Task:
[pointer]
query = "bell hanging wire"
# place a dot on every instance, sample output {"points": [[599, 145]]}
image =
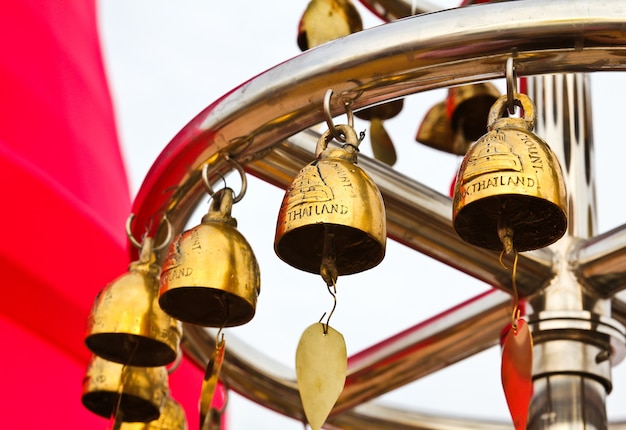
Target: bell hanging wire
{"points": [[332, 211], [128, 393], [510, 193], [210, 274], [126, 324]]}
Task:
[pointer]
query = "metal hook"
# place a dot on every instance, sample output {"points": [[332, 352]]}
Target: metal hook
{"points": [[168, 236], [139, 245], [511, 85], [333, 293], [329, 119], [516, 311], [176, 364], [242, 174], [129, 233]]}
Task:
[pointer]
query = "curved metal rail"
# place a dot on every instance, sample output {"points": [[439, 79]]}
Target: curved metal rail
{"points": [[258, 124]]}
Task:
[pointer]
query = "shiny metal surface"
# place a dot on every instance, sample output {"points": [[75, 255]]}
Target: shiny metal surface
{"points": [[255, 121], [568, 402], [575, 339]]}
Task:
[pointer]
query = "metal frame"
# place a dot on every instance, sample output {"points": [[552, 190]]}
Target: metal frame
{"points": [[263, 125]]}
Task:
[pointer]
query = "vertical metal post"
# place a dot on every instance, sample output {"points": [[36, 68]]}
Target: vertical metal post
{"points": [[572, 329]]}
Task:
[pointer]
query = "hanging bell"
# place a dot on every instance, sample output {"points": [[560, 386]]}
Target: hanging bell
{"points": [[172, 418], [210, 275], [127, 325], [436, 131], [509, 191], [332, 210], [133, 394], [468, 107], [326, 20]]}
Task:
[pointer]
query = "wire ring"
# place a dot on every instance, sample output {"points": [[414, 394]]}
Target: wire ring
{"points": [[129, 233], [511, 85], [329, 119], [137, 244], [242, 174]]}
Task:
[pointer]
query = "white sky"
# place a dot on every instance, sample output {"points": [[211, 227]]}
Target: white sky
{"points": [[169, 60]]}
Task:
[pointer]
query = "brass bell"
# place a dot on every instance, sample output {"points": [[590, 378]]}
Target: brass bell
{"points": [[133, 394], [127, 325], [326, 20], [436, 131], [210, 275], [332, 210], [468, 107], [172, 418], [509, 191]]}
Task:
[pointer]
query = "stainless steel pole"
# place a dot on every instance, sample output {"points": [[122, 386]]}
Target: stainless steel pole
{"points": [[575, 338]]}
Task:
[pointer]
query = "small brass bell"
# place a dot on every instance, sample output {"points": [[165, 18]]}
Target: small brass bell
{"points": [[468, 107], [332, 210], [210, 275], [172, 418], [436, 131], [509, 191], [326, 20], [127, 325], [134, 394]]}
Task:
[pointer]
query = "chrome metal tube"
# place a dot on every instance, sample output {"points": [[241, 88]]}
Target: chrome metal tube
{"points": [[575, 339], [568, 402], [600, 262]]}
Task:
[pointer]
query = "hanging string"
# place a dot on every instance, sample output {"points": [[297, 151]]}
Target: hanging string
{"points": [[333, 293], [116, 416], [515, 314]]}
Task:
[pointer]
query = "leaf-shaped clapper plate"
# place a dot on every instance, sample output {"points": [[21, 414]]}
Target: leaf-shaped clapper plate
{"points": [[517, 363], [321, 366]]}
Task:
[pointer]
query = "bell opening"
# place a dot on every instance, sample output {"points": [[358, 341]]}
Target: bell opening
{"points": [[355, 250], [132, 408], [130, 349], [207, 307], [471, 117], [536, 222]]}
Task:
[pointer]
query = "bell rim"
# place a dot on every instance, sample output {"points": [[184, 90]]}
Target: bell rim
{"points": [[175, 302], [491, 240], [138, 350], [104, 402]]}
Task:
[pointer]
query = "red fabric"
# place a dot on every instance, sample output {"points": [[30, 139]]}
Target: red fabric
{"points": [[64, 204]]}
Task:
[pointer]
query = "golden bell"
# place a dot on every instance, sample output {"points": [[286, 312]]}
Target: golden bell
{"points": [[332, 209], [509, 190], [172, 418], [210, 275], [326, 20], [127, 325], [134, 394], [436, 131], [468, 107]]}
